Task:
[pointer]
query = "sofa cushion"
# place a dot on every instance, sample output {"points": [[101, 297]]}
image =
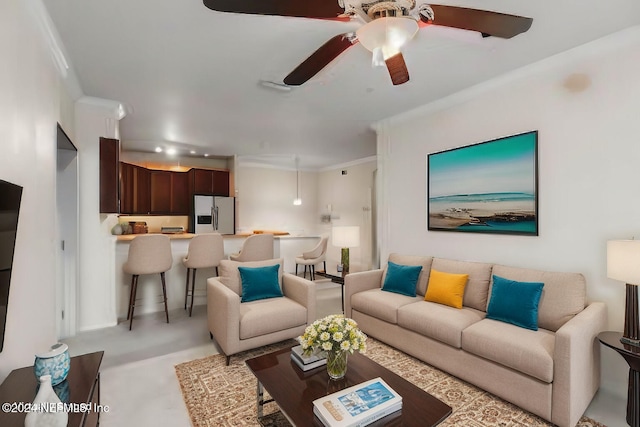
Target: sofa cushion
{"points": [[526, 351], [270, 315], [476, 293], [438, 321], [260, 282], [380, 304], [230, 275], [446, 288], [401, 279], [424, 261], [563, 295], [515, 302]]}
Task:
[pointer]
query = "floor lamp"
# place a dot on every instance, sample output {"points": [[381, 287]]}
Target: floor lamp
{"points": [[345, 237], [623, 263]]}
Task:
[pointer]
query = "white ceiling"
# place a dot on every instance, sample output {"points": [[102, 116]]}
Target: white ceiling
{"points": [[190, 77]]}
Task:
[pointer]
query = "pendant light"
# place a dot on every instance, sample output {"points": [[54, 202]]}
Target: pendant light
{"points": [[297, 201]]}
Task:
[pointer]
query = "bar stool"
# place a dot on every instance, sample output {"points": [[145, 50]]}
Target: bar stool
{"points": [[257, 247], [205, 251], [148, 254]]}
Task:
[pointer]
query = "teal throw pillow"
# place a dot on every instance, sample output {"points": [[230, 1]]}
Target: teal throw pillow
{"points": [[402, 279], [259, 283], [515, 302]]}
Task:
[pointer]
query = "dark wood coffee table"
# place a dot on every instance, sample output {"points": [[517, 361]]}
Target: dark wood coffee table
{"points": [[294, 390]]}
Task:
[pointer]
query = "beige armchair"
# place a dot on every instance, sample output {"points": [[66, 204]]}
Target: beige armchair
{"points": [[238, 326], [313, 257], [256, 247]]}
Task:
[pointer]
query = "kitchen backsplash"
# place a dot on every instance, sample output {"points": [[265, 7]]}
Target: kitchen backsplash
{"points": [[155, 223]]}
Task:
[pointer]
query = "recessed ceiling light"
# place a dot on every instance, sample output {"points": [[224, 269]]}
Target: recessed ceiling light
{"points": [[206, 155], [171, 151], [158, 150], [192, 151]]}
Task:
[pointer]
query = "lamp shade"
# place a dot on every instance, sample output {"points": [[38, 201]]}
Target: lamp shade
{"points": [[623, 261], [387, 34], [346, 236]]}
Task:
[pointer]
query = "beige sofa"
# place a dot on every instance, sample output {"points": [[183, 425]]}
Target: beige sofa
{"points": [[552, 372], [238, 326]]}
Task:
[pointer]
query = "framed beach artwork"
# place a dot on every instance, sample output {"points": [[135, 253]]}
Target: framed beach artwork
{"points": [[490, 187]]}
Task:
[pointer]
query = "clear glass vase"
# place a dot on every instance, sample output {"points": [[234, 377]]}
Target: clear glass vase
{"points": [[337, 364]]}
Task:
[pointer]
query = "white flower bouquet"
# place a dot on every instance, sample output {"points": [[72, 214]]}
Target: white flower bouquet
{"points": [[334, 333]]}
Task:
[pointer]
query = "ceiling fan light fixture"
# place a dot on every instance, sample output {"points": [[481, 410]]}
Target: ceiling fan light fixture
{"points": [[387, 35]]}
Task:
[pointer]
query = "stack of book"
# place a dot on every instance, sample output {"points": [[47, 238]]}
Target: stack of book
{"points": [[358, 405], [306, 362]]}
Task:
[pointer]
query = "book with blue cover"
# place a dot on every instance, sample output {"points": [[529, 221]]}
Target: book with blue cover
{"points": [[358, 405]]}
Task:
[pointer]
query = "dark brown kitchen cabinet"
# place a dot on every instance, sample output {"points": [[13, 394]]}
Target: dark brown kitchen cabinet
{"points": [[210, 182], [160, 192], [220, 183], [109, 173], [180, 198], [135, 196], [169, 192]]}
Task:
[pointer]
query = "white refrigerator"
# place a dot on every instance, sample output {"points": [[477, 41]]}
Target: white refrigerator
{"points": [[214, 214]]}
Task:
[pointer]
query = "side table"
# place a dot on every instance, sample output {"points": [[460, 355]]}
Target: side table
{"points": [[83, 385], [335, 278], [632, 355]]}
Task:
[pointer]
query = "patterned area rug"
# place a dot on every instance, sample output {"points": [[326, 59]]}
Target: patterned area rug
{"points": [[219, 395]]}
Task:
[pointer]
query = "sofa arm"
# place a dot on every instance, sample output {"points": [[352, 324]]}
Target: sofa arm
{"points": [[576, 364], [223, 315], [359, 282], [302, 291]]}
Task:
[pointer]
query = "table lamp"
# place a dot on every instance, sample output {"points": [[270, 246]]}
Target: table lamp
{"points": [[623, 263], [345, 237]]}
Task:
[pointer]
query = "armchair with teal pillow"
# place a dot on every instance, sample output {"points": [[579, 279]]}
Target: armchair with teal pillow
{"points": [[252, 304]]}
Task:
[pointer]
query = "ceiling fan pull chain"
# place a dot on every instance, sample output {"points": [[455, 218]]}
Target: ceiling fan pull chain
{"points": [[426, 11]]}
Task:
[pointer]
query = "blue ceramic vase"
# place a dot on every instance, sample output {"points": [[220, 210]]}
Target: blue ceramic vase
{"points": [[54, 362]]}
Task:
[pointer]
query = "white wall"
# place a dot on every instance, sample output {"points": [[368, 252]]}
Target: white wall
{"points": [[348, 198], [32, 101], [585, 105], [264, 200], [95, 118]]}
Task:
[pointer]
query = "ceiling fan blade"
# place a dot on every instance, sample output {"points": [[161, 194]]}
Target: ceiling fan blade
{"points": [[323, 9], [320, 59], [484, 21], [397, 69]]}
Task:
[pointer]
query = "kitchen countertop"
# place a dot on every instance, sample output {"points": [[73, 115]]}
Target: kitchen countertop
{"points": [[179, 236], [172, 236]]}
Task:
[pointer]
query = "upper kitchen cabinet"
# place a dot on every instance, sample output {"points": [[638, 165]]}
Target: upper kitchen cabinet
{"points": [[221, 183], [160, 192], [135, 189], [180, 197], [169, 192], [109, 175], [209, 182]]}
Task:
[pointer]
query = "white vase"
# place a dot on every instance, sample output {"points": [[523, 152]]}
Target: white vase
{"points": [[45, 411]]}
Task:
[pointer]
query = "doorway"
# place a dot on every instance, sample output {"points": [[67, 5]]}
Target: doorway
{"points": [[66, 234]]}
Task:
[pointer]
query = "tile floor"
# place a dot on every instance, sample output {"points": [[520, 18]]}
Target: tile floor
{"points": [[138, 381]]}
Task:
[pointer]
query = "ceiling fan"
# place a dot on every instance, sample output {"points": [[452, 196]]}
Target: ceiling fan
{"points": [[387, 26]]}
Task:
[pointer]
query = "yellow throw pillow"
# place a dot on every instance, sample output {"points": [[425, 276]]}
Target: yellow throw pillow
{"points": [[446, 288]]}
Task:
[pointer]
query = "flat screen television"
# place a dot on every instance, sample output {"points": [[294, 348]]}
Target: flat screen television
{"points": [[10, 196]]}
